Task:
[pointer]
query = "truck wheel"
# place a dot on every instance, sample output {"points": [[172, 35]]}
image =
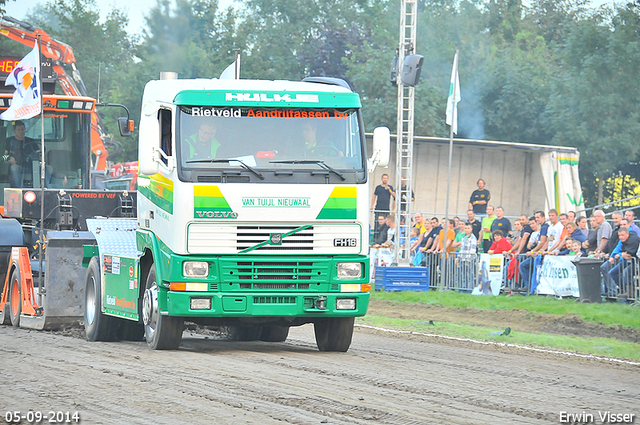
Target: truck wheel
{"points": [[15, 295], [97, 326], [274, 333], [245, 333], [161, 332], [334, 333], [4, 315]]}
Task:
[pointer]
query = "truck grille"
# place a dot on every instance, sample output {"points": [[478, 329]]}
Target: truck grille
{"points": [[248, 236], [274, 300], [224, 238], [279, 275]]}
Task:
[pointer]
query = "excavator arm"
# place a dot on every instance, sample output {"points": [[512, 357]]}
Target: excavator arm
{"points": [[61, 56]]}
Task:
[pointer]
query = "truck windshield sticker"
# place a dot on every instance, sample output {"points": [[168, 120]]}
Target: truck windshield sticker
{"points": [[286, 113]]}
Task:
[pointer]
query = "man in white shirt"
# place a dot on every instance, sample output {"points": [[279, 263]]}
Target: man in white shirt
{"points": [[555, 229]]}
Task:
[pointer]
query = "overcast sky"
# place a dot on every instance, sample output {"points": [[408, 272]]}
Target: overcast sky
{"points": [[137, 9]]}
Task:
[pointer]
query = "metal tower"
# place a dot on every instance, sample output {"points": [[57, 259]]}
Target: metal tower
{"points": [[404, 132]]}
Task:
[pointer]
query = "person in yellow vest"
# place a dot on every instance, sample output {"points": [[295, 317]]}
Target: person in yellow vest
{"points": [[314, 147], [202, 145]]}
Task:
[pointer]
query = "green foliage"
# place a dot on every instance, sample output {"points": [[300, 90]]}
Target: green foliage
{"points": [[594, 104], [542, 71]]}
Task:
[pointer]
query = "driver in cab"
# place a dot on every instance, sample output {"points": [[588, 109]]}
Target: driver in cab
{"points": [[315, 148], [20, 153], [203, 144]]}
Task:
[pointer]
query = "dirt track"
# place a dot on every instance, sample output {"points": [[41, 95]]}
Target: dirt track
{"points": [[383, 379]]}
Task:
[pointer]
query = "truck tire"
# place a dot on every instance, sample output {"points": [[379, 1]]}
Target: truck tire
{"points": [[274, 333], [4, 314], [97, 326], [161, 332], [245, 333], [334, 333], [15, 297]]}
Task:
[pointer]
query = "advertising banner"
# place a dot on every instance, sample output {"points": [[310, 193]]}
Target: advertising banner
{"points": [[489, 275], [558, 276]]}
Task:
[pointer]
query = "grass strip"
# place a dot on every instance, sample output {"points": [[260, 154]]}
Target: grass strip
{"points": [[608, 313], [606, 347]]}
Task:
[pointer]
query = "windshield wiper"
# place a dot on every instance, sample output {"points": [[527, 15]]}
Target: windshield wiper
{"points": [[319, 163], [228, 160]]}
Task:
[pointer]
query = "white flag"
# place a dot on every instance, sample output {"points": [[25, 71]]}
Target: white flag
{"points": [[25, 77], [454, 97], [232, 72]]}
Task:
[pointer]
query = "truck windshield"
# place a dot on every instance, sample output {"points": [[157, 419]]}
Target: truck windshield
{"points": [[65, 147], [270, 139]]}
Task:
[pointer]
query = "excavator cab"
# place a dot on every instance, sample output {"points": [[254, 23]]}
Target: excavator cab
{"points": [[65, 129]]}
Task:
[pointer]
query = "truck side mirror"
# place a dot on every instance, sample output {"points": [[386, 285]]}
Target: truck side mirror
{"points": [[381, 148], [149, 142], [126, 126]]}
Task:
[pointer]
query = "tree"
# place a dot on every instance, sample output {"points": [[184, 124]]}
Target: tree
{"points": [[595, 105], [102, 51]]}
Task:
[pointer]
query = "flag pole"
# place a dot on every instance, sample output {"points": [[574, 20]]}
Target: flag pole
{"points": [[454, 114], [42, 164], [237, 64]]}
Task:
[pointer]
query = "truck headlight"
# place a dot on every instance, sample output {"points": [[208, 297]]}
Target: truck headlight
{"points": [[195, 268], [200, 303], [345, 304], [349, 270]]}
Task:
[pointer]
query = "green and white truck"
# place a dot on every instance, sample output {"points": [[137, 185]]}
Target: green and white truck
{"points": [[252, 214]]}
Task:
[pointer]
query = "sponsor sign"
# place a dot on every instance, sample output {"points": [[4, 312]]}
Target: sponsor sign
{"points": [[558, 276], [489, 275]]}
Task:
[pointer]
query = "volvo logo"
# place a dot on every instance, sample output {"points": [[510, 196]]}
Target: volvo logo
{"points": [[275, 238]]}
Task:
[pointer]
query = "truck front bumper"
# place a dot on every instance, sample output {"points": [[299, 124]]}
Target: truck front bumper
{"points": [[267, 304]]}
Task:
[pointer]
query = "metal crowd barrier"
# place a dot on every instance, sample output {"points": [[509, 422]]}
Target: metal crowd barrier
{"points": [[459, 272], [620, 279]]}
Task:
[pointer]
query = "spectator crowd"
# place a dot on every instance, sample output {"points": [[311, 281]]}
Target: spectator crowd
{"points": [[525, 242]]}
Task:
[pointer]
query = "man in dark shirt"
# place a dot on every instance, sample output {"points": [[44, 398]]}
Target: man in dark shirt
{"points": [[479, 199], [591, 243], [616, 217], [21, 152], [382, 196], [501, 223], [526, 266], [624, 268], [612, 242], [380, 233], [476, 226], [522, 246]]}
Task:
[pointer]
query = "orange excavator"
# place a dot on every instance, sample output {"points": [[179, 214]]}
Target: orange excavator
{"points": [[61, 56], [43, 227]]}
